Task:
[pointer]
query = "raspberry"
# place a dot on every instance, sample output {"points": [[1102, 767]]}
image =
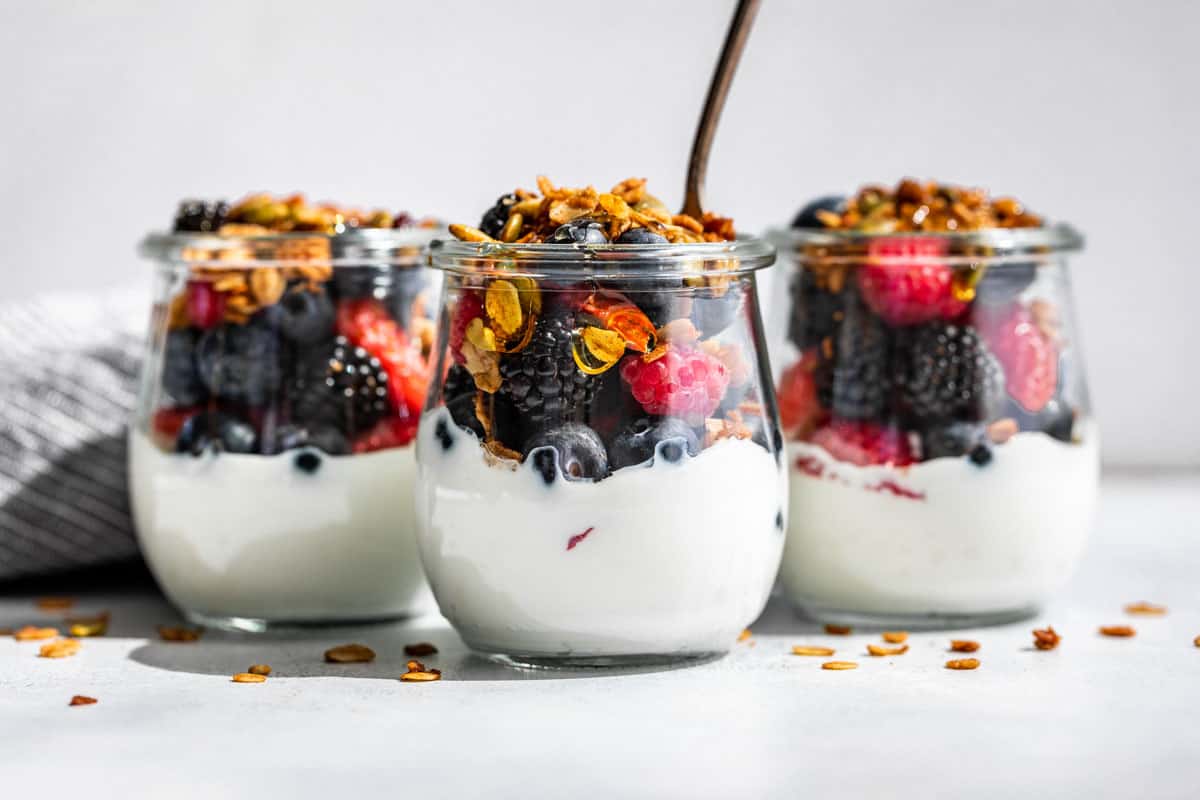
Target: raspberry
{"points": [[469, 307], [367, 324], [1029, 356], [683, 383], [205, 305], [910, 287], [387, 433], [798, 406], [864, 443]]}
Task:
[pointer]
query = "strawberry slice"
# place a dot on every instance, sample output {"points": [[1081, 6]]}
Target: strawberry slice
{"points": [[367, 324], [387, 433]]}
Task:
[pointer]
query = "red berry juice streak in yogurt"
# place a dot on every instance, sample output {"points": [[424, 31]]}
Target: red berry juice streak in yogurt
{"points": [[577, 538]]}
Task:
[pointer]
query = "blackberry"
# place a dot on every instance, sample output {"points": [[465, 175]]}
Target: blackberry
{"points": [[458, 395], [340, 384], [179, 376], [860, 379], [946, 372], [495, 217], [816, 312], [542, 380], [197, 216]]}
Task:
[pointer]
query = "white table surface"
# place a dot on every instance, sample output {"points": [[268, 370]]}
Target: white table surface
{"points": [[1098, 717]]}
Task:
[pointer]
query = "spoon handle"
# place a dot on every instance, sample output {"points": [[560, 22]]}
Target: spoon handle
{"points": [[731, 53]]}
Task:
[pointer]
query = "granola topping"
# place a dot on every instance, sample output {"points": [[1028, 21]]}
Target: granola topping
{"points": [[926, 206]]}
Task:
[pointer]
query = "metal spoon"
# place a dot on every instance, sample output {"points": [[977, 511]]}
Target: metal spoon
{"points": [[731, 53]]}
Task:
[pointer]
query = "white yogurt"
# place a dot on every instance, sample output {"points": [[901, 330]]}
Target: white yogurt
{"points": [[943, 537], [670, 559], [253, 537]]}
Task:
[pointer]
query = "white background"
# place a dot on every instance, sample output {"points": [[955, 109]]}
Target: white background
{"points": [[1089, 111]]}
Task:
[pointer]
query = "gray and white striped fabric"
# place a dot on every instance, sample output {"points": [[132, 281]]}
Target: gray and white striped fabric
{"points": [[68, 384]]}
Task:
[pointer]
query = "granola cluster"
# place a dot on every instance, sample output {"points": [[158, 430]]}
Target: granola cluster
{"points": [[915, 206], [526, 217]]}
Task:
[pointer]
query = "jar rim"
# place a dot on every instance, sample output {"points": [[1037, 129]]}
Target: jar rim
{"points": [[607, 261], [999, 245], [354, 247]]}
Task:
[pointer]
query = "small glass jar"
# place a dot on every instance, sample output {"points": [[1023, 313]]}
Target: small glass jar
{"points": [[942, 454], [271, 457], [599, 473]]}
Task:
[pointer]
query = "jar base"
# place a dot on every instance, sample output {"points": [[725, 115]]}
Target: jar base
{"points": [[914, 622], [256, 625], [601, 662]]}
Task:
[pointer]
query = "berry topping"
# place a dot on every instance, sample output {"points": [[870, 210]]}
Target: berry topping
{"points": [[864, 443], [1028, 355], [637, 442], [219, 431], [205, 305], [946, 372], [641, 236], [543, 380], [306, 317], [712, 313], [799, 410], [367, 324], [495, 217], [573, 450], [307, 462], [197, 216], [180, 378], [861, 373], [387, 433], [342, 384], [957, 439], [810, 215], [908, 286], [816, 311], [241, 363], [579, 231], [682, 382], [441, 432]]}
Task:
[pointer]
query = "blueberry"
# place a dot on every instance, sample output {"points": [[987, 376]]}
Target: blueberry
{"points": [[1056, 419], [980, 455], [236, 436], [637, 442], [207, 430], [573, 449], [954, 440], [779, 519], [641, 236], [713, 314], [458, 394], [807, 217], [442, 431], [495, 217], [193, 435], [241, 363], [180, 378], [308, 461], [306, 317], [579, 231], [286, 437]]}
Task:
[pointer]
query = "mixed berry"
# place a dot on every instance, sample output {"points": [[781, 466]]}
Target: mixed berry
{"points": [[583, 376], [914, 344], [308, 356]]}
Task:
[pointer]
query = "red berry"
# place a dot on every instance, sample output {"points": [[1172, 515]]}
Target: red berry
{"points": [[205, 305], [1029, 357], [367, 324], [168, 421], [910, 286], [468, 308], [864, 443], [799, 409], [387, 433], [683, 382]]}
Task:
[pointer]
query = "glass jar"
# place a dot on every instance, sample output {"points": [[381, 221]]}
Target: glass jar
{"points": [[942, 453], [270, 457], [599, 468]]}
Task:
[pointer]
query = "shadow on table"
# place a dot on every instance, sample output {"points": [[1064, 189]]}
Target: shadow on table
{"points": [[300, 654]]}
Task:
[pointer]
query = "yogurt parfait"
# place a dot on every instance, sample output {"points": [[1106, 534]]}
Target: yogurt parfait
{"points": [[271, 460], [599, 467], [942, 455]]}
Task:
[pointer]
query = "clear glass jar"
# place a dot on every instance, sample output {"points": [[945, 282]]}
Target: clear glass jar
{"points": [[599, 473], [943, 457], [270, 457]]}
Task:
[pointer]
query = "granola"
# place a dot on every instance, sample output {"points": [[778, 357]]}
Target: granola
{"points": [[1118, 631], [962, 663], [1046, 638], [926, 206], [963, 645], [349, 654]]}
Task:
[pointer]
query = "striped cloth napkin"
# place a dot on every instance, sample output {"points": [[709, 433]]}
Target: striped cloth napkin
{"points": [[68, 385]]}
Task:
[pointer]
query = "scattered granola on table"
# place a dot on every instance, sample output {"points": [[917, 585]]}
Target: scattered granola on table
{"points": [[962, 663], [31, 633], [82, 700], [249, 677], [419, 673], [838, 630], [895, 637], [1046, 638], [1144, 609], [839, 665], [259, 669], [963, 645], [1118, 631], [84, 627], [880, 650], [55, 603], [349, 654], [60, 648], [420, 649], [806, 650], [179, 633]]}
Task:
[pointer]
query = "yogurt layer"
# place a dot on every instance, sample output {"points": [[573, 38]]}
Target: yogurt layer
{"points": [[943, 536], [252, 536], [663, 558]]}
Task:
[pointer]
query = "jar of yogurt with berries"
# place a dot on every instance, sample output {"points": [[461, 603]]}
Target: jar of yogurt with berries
{"points": [[599, 471], [942, 454], [271, 457]]}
